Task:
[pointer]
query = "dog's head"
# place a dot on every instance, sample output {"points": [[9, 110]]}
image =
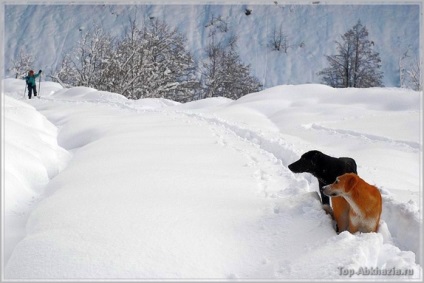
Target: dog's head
{"points": [[307, 163], [342, 186]]}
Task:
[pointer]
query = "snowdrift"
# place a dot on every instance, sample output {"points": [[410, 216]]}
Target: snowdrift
{"points": [[32, 157], [152, 189]]}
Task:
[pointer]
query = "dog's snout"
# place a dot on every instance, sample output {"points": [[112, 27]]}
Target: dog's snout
{"points": [[295, 168], [326, 190]]}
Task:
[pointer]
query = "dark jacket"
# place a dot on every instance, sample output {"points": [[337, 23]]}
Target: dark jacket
{"points": [[30, 80]]}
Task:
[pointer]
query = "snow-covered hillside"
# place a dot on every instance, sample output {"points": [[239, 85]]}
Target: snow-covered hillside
{"points": [[50, 31], [98, 186]]}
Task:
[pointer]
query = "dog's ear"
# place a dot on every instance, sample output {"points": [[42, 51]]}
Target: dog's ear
{"points": [[350, 181]]}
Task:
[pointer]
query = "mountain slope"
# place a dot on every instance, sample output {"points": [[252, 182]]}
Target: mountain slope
{"points": [[50, 31]]}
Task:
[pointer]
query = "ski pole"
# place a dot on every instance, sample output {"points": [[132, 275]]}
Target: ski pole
{"points": [[25, 90], [39, 86]]}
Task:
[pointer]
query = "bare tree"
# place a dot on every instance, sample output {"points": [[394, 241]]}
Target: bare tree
{"points": [[22, 64], [279, 40], [415, 76], [355, 64], [409, 71]]}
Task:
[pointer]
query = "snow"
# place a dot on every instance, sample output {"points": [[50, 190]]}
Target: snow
{"points": [[101, 187]]}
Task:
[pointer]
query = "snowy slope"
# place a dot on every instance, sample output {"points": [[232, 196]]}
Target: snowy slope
{"points": [[50, 31], [157, 189], [31, 146]]}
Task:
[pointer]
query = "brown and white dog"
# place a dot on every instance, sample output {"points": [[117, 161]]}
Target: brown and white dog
{"points": [[363, 199]]}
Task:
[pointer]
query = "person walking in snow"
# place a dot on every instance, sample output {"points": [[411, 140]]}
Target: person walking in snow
{"points": [[30, 81]]}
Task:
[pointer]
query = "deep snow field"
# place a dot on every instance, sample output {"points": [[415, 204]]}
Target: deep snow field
{"points": [[98, 186]]}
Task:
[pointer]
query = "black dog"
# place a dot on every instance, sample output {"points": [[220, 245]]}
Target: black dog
{"points": [[325, 168]]}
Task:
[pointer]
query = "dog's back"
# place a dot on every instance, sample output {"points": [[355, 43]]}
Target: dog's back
{"points": [[366, 210], [349, 165]]}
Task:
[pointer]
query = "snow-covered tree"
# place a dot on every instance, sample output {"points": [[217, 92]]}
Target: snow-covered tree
{"points": [[355, 64], [22, 64], [149, 61], [224, 74], [153, 62], [86, 64]]}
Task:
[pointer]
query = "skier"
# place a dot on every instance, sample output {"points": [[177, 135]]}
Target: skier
{"points": [[30, 81]]}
